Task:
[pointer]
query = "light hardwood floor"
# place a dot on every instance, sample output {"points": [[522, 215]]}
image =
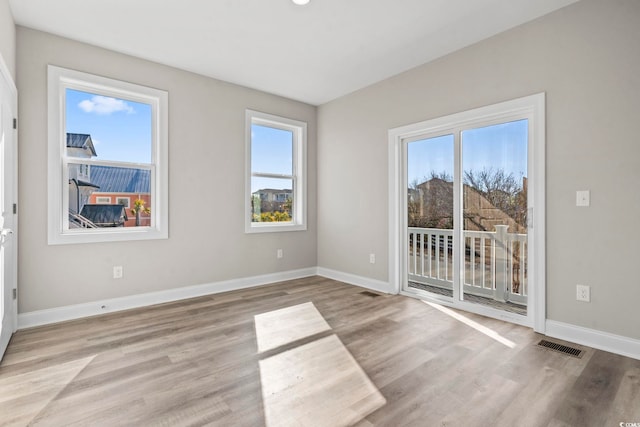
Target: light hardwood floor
{"points": [[306, 352]]}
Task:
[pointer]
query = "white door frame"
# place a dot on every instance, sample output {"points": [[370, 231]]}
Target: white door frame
{"points": [[534, 107], [9, 322]]}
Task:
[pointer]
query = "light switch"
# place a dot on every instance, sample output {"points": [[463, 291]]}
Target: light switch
{"points": [[583, 198]]}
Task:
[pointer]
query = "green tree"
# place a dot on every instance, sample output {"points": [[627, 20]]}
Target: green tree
{"points": [[138, 208]]}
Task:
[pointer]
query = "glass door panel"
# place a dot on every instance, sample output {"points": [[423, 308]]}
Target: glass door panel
{"points": [[494, 218], [430, 195]]}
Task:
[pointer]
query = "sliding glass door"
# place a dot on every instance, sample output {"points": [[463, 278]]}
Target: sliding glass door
{"points": [[467, 238], [494, 215], [430, 214]]}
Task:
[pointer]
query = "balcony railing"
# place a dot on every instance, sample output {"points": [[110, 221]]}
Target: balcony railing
{"points": [[78, 221], [494, 262]]}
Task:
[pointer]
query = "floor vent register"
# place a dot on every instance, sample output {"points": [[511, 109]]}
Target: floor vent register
{"points": [[574, 352]]}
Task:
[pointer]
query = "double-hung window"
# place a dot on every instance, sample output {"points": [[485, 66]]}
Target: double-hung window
{"points": [[276, 173], [107, 143]]}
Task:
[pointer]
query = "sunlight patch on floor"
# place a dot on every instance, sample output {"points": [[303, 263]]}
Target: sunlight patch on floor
{"points": [[316, 383], [475, 325], [280, 327]]}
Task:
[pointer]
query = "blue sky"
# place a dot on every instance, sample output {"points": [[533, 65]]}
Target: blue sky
{"points": [[502, 146], [271, 152], [120, 129]]}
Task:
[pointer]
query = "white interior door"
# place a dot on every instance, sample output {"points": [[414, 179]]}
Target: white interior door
{"points": [[8, 220]]}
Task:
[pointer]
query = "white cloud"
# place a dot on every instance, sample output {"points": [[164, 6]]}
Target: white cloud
{"points": [[104, 105]]}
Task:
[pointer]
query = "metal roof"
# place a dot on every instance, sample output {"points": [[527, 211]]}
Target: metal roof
{"points": [[105, 215], [80, 140], [113, 179]]}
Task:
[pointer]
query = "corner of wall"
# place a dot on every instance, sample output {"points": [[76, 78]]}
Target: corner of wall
{"points": [[7, 38]]}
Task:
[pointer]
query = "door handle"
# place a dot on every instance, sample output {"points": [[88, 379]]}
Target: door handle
{"points": [[4, 233]]}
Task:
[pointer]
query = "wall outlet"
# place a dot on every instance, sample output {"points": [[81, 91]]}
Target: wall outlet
{"points": [[117, 272], [583, 198], [279, 253], [583, 293], [372, 258]]}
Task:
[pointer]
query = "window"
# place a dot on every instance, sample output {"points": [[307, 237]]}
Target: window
{"points": [[124, 201], [103, 200], [105, 136], [276, 173]]}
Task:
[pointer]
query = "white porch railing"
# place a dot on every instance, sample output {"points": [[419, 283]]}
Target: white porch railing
{"points": [[78, 221], [494, 263]]}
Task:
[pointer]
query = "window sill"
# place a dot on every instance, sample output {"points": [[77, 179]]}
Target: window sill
{"points": [[107, 235], [273, 227]]}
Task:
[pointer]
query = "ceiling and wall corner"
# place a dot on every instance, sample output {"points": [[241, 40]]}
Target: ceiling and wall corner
{"points": [[313, 54]]}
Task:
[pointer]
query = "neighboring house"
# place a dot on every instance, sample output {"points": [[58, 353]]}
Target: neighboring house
{"points": [[80, 184], [431, 206], [122, 186], [99, 193], [272, 200]]}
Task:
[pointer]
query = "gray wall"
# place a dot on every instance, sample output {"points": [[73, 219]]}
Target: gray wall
{"points": [[7, 37], [206, 186], [586, 58]]}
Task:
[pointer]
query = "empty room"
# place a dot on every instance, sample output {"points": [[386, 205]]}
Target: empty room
{"points": [[319, 213]]}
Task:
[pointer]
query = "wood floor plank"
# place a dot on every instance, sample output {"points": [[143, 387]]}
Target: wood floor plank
{"points": [[591, 396], [540, 399], [337, 357], [626, 405]]}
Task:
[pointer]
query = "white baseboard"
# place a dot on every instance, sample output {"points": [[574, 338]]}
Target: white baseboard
{"points": [[624, 346], [364, 282], [77, 311], [612, 343]]}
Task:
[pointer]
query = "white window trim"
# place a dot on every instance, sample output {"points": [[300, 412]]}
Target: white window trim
{"points": [[59, 79], [299, 129]]}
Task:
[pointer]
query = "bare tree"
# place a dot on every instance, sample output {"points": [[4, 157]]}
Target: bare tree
{"points": [[502, 190]]}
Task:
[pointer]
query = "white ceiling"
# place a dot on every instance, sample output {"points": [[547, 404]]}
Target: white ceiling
{"points": [[312, 53]]}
